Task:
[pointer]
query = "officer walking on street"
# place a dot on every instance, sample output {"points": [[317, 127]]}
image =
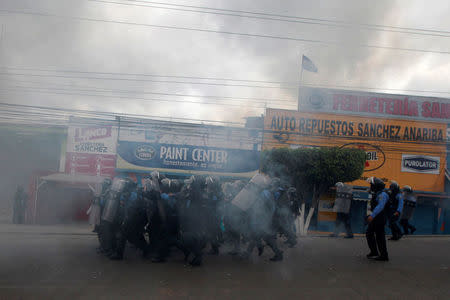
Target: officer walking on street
{"points": [[342, 206], [408, 210], [375, 234], [395, 210]]}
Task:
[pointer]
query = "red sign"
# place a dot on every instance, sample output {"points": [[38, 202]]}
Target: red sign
{"points": [[374, 104], [91, 164]]}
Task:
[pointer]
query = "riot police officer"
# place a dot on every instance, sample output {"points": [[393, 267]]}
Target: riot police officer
{"points": [[131, 220], [19, 207], [165, 221], [193, 220], [342, 205], [156, 216], [284, 217], [408, 210], [214, 198], [260, 220], [375, 234], [395, 210], [110, 216], [101, 201]]}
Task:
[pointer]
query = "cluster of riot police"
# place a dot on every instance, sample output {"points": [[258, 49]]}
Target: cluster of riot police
{"points": [[193, 215]]}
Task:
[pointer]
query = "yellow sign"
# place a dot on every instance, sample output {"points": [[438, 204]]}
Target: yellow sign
{"points": [[410, 152]]}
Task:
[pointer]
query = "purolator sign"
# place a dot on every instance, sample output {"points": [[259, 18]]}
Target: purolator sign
{"points": [[386, 142]]}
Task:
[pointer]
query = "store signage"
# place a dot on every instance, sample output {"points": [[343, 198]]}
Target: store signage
{"points": [[375, 157], [385, 141], [330, 125], [374, 104], [187, 157], [420, 164]]}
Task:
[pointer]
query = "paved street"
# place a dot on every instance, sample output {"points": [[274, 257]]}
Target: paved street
{"points": [[61, 263]]}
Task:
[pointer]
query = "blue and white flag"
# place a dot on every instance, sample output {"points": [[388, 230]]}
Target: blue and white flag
{"points": [[308, 65]]}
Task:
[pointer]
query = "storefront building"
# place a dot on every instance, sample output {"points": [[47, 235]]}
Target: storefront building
{"points": [[405, 139]]}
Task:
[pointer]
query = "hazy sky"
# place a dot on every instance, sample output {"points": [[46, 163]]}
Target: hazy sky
{"points": [[33, 42]]}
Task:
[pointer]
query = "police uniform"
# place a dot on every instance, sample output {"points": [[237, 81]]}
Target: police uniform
{"points": [[395, 206], [409, 206], [342, 205], [375, 233]]}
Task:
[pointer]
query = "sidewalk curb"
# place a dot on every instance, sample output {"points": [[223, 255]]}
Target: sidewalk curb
{"points": [[48, 233]]}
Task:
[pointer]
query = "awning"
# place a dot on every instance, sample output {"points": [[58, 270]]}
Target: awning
{"points": [[74, 178]]}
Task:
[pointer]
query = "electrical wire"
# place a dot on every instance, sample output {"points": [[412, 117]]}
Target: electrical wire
{"points": [[230, 33], [113, 114], [50, 91], [258, 16], [142, 80], [296, 17], [96, 89], [287, 84]]}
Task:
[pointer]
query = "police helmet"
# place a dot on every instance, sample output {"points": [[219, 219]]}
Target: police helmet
{"points": [[165, 185], [107, 182], [275, 183], [175, 185], [131, 185], [376, 184], [339, 184], [151, 184], [155, 175], [394, 187], [292, 191], [407, 189]]}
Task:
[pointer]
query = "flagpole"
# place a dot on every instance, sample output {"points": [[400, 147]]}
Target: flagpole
{"points": [[300, 85]]}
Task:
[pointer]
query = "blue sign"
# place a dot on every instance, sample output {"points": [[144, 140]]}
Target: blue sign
{"points": [[187, 157]]}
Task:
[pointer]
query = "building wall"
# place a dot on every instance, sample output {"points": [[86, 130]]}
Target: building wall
{"points": [[388, 149], [25, 152]]}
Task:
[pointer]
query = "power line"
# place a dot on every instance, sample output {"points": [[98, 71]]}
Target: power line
{"points": [[91, 89], [49, 91], [231, 33], [143, 75], [339, 22], [273, 17], [216, 84], [80, 89], [145, 80], [111, 114]]}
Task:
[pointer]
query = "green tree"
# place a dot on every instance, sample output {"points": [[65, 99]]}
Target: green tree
{"points": [[313, 170]]}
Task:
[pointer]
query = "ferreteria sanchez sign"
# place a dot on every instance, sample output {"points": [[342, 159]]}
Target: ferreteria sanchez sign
{"points": [[420, 164], [351, 127], [374, 104]]}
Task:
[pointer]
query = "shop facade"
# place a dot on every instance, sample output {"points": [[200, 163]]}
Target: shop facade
{"points": [[405, 139]]}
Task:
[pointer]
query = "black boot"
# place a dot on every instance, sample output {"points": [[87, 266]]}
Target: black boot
{"points": [[214, 251], [278, 256], [260, 250], [116, 256], [196, 261], [382, 258]]}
